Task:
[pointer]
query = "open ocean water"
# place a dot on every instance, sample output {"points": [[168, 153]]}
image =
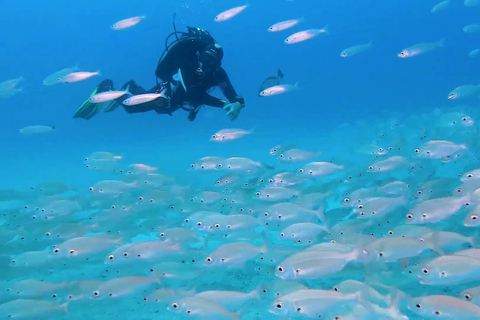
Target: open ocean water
{"points": [[353, 195]]}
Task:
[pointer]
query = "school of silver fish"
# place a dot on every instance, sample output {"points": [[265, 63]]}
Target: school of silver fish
{"points": [[387, 227]]}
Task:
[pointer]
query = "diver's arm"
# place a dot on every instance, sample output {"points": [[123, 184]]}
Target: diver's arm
{"points": [[212, 101], [227, 88]]}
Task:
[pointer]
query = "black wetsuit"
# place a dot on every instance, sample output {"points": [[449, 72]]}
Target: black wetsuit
{"points": [[185, 56]]}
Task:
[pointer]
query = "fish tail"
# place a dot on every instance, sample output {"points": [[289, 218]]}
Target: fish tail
{"points": [[302, 19], [441, 43], [279, 74], [325, 29]]}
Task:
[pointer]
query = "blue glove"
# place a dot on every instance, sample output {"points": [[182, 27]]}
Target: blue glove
{"points": [[233, 110]]}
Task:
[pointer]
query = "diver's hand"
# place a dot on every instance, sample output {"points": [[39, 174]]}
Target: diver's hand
{"points": [[233, 110]]}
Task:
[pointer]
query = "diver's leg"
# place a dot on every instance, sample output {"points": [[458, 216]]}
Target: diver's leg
{"points": [[133, 88], [88, 109]]}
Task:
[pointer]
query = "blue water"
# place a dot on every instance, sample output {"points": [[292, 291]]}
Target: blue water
{"points": [[41, 37]]}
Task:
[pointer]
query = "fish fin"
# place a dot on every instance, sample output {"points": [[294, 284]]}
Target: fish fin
{"points": [[64, 307], [251, 130], [127, 91], [279, 74]]}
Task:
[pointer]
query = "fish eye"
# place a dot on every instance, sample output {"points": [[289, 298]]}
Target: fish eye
{"points": [[187, 220], [56, 250], [214, 136], [282, 234], [474, 217], [464, 119], [221, 165], [418, 305], [162, 234], [258, 194], [209, 259], [174, 305], [311, 171], [48, 234], [467, 203], [217, 225], [140, 198], [125, 254], [417, 151], [124, 208], [189, 311], [437, 313], [410, 216], [467, 296], [380, 254], [390, 232], [267, 195], [91, 188], [344, 54], [360, 206], [54, 296], [282, 156], [199, 223], [280, 268], [270, 180], [469, 175], [71, 251], [111, 257], [425, 270], [192, 166], [425, 215], [301, 170], [96, 293], [266, 214], [346, 200], [370, 168], [299, 309], [279, 305]]}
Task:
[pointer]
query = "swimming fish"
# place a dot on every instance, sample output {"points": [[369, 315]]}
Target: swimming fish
{"points": [[284, 25], [305, 35], [77, 76], [230, 13], [38, 129], [355, 50], [127, 23], [270, 82], [56, 77], [278, 89], [421, 48], [229, 134]]}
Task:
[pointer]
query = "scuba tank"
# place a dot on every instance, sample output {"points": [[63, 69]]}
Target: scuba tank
{"points": [[193, 33]]}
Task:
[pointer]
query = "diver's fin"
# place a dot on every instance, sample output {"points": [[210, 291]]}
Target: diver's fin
{"points": [[87, 110], [279, 74]]}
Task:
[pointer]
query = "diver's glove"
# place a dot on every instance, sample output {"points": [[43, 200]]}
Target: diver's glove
{"points": [[233, 110]]}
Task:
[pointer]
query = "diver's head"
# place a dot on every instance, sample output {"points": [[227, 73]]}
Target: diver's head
{"points": [[211, 58]]}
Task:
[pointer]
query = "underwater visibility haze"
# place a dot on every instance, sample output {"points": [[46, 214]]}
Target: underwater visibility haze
{"points": [[335, 176]]}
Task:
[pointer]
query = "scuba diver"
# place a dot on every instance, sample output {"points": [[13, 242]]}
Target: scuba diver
{"points": [[189, 68]]}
